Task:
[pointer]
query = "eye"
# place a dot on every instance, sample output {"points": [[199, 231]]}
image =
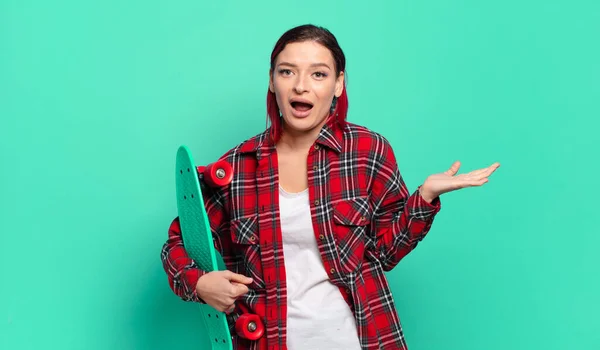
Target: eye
{"points": [[285, 72], [320, 75]]}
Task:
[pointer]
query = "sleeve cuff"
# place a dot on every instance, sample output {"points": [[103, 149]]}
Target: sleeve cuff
{"points": [[191, 276], [419, 208]]}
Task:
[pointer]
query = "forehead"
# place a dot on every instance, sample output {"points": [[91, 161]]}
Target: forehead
{"points": [[305, 53]]}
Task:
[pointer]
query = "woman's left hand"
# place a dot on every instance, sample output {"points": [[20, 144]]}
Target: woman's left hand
{"points": [[438, 184]]}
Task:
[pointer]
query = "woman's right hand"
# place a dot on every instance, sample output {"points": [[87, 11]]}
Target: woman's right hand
{"points": [[220, 289]]}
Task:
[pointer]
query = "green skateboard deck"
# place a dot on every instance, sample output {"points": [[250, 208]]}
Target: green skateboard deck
{"points": [[198, 242]]}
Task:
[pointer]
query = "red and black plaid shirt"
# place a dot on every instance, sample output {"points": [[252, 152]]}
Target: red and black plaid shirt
{"points": [[365, 221]]}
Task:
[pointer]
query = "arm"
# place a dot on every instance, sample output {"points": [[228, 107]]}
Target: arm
{"points": [[400, 220], [182, 272]]}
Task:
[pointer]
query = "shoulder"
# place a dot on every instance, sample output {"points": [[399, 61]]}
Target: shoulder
{"points": [[247, 146], [239, 157], [355, 132], [362, 139]]}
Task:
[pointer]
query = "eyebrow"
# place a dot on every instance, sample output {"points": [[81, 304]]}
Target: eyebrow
{"points": [[320, 64]]}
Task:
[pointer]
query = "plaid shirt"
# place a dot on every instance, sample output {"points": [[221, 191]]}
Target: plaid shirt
{"points": [[365, 221]]}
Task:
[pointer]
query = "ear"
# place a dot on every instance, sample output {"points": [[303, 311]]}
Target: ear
{"points": [[271, 84], [339, 85]]}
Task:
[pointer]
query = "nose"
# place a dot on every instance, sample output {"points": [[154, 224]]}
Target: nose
{"points": [[300, 84]]}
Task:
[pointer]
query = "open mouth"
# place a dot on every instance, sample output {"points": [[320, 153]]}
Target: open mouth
{"points": [[302, 106]]}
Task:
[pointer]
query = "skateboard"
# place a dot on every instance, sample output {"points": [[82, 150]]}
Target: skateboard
{"points": [[198, 242]]}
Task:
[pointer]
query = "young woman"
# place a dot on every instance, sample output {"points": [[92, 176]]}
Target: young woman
{"points": [[315, 214]]}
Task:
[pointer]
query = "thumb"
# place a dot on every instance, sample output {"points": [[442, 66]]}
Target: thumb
{"points": [[236, 277], [239, 289], [453, 169]]}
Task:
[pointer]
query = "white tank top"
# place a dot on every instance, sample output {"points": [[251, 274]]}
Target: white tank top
{"points": [[318, 316]]}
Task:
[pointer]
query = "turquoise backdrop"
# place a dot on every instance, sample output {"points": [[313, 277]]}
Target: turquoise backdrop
{"points": [[96, 96]]}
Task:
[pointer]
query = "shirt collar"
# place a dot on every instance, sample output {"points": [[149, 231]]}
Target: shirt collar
{"points": [[260, 143], [330, 136]]}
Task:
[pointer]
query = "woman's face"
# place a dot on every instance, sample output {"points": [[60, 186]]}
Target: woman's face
{"points": [[304, 82]]}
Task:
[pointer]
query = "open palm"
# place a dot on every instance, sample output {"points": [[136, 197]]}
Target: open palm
{"points": [[438, 184]]}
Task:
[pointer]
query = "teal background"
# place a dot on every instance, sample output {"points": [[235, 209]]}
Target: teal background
{"points": [[95, 98]]}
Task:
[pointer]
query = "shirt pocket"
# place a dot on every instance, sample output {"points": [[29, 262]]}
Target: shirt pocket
{"points": [[246, 247], [352, 218]]}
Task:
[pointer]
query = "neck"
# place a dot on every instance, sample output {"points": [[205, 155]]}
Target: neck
{"points": [[299, 140]]}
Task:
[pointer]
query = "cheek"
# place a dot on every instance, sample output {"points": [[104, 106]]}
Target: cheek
{"points": [[325, 92], [280, 94], [278, 97]]}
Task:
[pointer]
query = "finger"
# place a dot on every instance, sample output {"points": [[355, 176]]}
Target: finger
{"points": [[236, 290], [224, 307], [464, 180], [493, 167], [229, 309], [478, 172], [240, 289], [480, 182], [475, 183], [461, 181], [235, 277], [485, 172], [453, 169], [227, 302]]}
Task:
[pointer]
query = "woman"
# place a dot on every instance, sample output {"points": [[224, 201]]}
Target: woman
{"points": [[315, 214]]}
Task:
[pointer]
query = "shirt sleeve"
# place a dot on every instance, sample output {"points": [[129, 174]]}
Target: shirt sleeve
{"points": [[182, 271], [400, 219]]}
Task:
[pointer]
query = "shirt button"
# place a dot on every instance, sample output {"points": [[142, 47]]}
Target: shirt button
{"points": [[316, 146], [253, 238], [317, 202], [321, 237], [363, 218], [332, 270], [315, 168]]}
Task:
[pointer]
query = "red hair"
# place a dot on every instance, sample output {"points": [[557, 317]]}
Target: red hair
{"points": [[325, 38]]}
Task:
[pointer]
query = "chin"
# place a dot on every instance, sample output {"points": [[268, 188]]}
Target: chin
{"points": [[303, 124], [300, 124]]}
